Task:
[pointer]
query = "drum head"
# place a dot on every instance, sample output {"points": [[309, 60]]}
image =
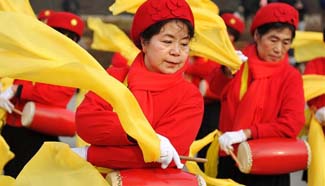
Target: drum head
{"points": [[244, 156], [28, 114]]}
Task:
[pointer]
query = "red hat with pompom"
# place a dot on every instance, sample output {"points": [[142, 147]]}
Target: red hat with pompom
{"points": [[234, 22], [153, 11], [68, 21], [275, 12]]}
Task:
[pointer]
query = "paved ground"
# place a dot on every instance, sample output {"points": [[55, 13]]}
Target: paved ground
{"points": [[296, 179]]}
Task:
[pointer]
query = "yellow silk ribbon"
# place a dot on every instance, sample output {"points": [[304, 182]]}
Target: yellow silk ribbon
{"points": [[308, 45], [38, 53]]}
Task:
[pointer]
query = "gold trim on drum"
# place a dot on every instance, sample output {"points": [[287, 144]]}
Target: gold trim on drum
{"points": [[245, 158], [309, 152], [114, 178], [200, 180]]}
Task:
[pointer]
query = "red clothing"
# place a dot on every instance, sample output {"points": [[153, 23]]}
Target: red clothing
{"points": [[316, 66], [54, 95], [273, 105], [173, 107], [199, 70], [118, 60]]}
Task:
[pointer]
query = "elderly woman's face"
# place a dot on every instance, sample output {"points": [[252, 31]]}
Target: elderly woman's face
{"points": [[167, 51], [274, 45]]}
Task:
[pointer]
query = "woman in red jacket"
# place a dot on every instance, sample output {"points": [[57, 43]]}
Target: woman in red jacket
{"points": [[265, 97], [174, 107]]}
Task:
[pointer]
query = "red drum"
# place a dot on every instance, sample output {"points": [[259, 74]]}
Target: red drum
{"points": [[48, 119], [273, 156], [154, 177]]}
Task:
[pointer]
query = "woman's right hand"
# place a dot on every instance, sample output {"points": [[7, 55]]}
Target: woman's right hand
{"points": [[168, 153], [6, 104]]}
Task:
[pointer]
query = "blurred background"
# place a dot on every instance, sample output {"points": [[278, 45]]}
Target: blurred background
{"points": [[312, 16]]}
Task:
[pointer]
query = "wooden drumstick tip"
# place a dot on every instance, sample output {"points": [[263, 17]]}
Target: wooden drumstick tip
{"points": [[234, 158], [188, 158], [17, 111]]}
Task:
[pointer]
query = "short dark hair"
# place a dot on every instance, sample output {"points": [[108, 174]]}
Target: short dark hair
{"points": [[154, 29], [263, 29], [233, 32], [72, 35]]}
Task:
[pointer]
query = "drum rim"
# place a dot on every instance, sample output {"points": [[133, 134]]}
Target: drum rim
{"points": [[244, 154], [25, 113], [114, 178], [309, 152]]}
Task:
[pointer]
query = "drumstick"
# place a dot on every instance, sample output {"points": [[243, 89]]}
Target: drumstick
{"points": [[234, 157], [17, 111], [188, 158]]}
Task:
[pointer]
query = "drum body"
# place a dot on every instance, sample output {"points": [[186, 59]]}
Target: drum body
{"points": [[154, 177], [48, 119], [273, 156]]}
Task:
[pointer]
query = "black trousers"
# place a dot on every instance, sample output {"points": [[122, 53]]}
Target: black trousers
{"points": [[228, 169], [24, 143]]}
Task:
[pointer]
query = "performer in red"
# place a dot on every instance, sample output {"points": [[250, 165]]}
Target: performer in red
{"points": [[265, 97], [198, 73], [25, 142], [173, 106]]}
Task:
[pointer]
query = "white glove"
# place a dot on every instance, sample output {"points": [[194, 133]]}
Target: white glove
{"points": [[227, 139], [8, 93], [320, 115], [168, 153], [241, 56], [6, 104], [81, 151]]}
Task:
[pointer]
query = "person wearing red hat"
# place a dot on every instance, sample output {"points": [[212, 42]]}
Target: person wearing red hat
{"points": [[199, 72], [265, 97], [235, 26], [162, 30], [68, 24], [25, 141]]}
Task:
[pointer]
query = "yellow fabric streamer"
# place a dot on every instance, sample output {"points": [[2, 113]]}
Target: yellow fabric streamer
{"points": [[211, 167], [316, 139], [205, 4], [7, 181], [109, 37], [314, 85], [211, 39], [308, 45], [56, 164], [120, 6], [19, 6], [38, 53], [5, 153], [195, 169]]}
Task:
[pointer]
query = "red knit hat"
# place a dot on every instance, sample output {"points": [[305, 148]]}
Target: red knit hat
{"points": [[44, 14], [68, 21], [234, 22], [275, 12], [153, 11]]}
